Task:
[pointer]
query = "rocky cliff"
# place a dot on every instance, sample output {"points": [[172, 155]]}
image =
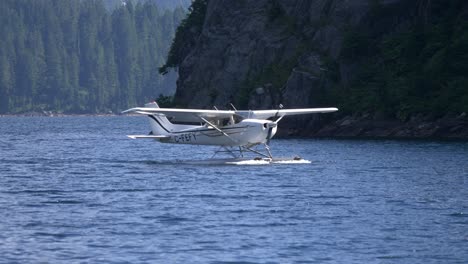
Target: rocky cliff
{"points": [[311, 53]]}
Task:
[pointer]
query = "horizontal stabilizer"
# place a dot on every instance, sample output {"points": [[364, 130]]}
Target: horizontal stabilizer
{"points": [[146, 136]]}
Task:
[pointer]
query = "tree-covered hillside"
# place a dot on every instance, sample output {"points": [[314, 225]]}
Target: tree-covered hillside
{"points": [[75, 56], [388, 59], [416, 66], [162, 4]]}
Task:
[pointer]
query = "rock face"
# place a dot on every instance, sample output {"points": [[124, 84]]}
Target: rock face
{"points": [[235, 42], [260, 53], [241, 40]]}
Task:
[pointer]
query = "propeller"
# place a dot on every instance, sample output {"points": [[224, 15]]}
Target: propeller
{"points": [[273, 124], [270, 132]]}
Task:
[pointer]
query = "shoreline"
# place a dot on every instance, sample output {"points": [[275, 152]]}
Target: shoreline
{"points": [[346, 128], [418, 127]]}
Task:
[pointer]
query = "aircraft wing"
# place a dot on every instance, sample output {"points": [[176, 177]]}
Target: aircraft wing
{"points": [[265, 114], [183, 115], [193, 115]]}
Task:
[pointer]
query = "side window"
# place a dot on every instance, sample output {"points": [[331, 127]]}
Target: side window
{"points": [[237, 118]]}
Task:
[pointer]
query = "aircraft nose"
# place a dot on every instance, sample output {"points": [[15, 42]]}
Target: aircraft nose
{"points": [[269, 125]]}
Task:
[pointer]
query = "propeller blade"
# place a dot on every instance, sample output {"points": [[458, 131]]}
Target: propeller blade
{"points": [[270, 131], [277, 120]]}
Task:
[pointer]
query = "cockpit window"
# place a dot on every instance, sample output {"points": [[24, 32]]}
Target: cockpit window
{"points": [[237, 118], [225, 121]]}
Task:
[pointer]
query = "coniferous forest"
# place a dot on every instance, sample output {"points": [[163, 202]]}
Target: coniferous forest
{"points": [[78, 57]]}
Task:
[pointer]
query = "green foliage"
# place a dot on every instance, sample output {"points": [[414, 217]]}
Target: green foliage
{"points": [[420, 68], [356, 45], [275, 10], [165, 101], [75, 56], [275, 74], [278, 18], [185, 35]]}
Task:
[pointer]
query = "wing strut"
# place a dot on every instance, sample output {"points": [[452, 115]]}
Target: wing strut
{"points": [[215, 127]]}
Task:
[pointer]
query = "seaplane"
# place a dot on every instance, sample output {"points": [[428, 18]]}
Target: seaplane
{"points": [[236, 132]]}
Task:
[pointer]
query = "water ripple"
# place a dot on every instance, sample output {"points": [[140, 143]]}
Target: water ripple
{"points": [[76, 190]]}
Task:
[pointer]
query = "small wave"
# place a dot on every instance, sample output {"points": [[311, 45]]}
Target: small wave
{"points": [[459, 214], [63, 202]]}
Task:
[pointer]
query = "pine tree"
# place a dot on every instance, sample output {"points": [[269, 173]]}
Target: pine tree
{"points": [[76, 56]]}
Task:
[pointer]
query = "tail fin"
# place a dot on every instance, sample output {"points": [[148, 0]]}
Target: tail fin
{"points": [[159, 123]]}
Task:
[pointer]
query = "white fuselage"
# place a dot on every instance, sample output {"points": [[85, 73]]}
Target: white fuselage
{"points": [[246, 132]]}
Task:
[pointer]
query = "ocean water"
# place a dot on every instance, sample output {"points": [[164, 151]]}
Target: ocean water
{"points": [[75, 189]]}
